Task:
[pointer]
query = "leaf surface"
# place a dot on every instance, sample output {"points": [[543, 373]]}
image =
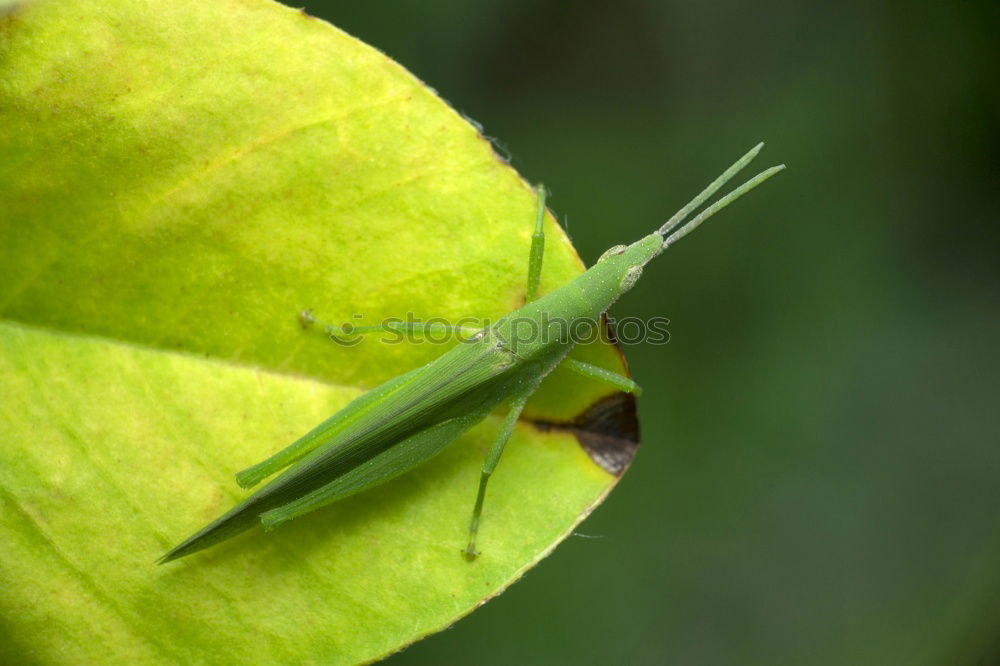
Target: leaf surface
{"points": [[177, 183]]}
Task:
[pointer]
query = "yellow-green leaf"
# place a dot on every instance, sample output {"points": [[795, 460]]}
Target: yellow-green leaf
{"points": [[177, 182]]}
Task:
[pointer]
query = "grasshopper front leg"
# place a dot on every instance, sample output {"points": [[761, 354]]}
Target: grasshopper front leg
{"points": [[537, 248], [620, 382]]}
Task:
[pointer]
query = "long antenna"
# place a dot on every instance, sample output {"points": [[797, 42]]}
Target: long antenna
{"points": [[720, 204], [714, 187]]}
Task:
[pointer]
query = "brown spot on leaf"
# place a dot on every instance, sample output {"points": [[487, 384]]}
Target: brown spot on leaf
{"points": [[608, 431]]}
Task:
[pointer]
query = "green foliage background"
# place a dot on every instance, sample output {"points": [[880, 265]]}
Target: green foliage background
{"points": [[820, 476]]}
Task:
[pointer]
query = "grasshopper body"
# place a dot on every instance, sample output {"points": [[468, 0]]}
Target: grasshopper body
{"points": [[407, 420]]}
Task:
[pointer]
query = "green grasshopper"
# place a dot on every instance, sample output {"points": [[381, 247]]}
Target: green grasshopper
{"points": [[407, 420]]}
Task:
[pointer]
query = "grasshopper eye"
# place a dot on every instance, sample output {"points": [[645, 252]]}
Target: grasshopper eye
{"points": [[631, 276], [613, 252]]}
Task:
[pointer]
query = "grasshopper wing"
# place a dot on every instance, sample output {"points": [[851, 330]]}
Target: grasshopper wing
{"points": [[406, 425]]}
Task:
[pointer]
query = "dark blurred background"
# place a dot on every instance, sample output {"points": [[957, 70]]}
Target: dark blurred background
{"points": [[819, 481]]}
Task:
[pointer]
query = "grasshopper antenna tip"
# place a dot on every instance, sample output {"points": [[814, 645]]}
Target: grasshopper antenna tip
{"points": [[678, 218], [721, 203]]}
